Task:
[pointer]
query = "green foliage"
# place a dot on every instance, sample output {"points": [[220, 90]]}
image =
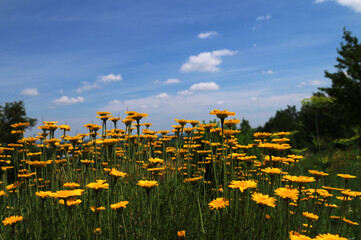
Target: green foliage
{"points": [[346, 81], [317, 101], [246, 132], [327, 118], [11, 113], [348, 141]]}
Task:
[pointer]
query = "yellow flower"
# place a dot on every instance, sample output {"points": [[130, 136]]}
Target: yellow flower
{"points": [[310, 216], [329, 236], [231, 122], [103, 113], [317, 173], [68, 193], [222, 114], [98, 209], [98, 185], [12, 220], [43, 194], [193, 180], [13, 186], [70, 202], [300, 180], [156, 161], [287, 193], [272, 171], [243, 185], [138, 116], [71, 185], [218, 203], [346, 176], [20, 125], [262, 134], [114, 172], [349, 222], [264, 200], [87, 161], [181, 122], [299, 237], [119, 206], [181, 234], [147, 184]]}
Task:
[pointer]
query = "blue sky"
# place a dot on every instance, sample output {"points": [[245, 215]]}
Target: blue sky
{"points": [[170, 59]]}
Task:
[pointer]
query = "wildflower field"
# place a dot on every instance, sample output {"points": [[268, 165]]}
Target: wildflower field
{"points": [[121, 180]]}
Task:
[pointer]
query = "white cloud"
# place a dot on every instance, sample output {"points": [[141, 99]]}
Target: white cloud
{"points": [[163, 95], [266, 17], [207, 34], [87, 86], [30, 92], [206, 61], [315, 82], [220, 102], [185, 93], [65, 100], [115, 101], [204, 86], [269, 72], [172, 81], [109, 78], [353, 4], [102, 79]]}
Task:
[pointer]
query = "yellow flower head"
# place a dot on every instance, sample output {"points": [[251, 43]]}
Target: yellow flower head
{"points": [[262, 134], [218, 203], [43, 194], [98, 185], [310, 216], [12, 220], [287, 193], [317, 173], [264, 200], [243, 185], [329, 236], [114, 172], [181, 234], [346, 176], [119, 206], [68, 193], [71, 185], [147, 184], [272, 171], [98, 209], [70, 202], [300, 180], [222, 114]]}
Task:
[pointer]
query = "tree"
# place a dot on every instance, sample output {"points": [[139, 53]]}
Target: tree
{"points": [[246, 132], [346, 81], [11, 113], [284, 120]]}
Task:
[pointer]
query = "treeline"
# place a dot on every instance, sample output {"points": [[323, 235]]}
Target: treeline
{"points": [[332, 116]]}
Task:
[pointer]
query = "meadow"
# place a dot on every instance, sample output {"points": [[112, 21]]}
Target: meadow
{"points": [[121, 180]]}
